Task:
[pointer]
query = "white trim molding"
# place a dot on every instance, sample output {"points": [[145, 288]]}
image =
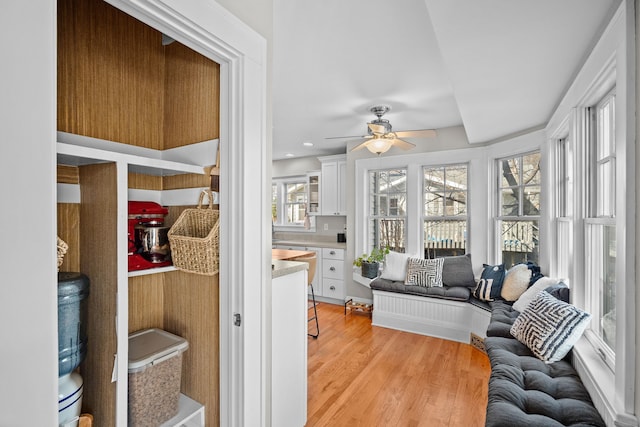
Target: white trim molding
{"points": [[245, 237]]}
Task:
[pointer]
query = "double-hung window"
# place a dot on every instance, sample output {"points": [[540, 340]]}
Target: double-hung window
{"points": [[517, 222], [445, 210], [564, 207], [387, 209], [289, 201], [600, 228]]}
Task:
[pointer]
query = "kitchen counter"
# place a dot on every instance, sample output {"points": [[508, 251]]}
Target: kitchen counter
{"points": [[309, 243], [283, 268]]}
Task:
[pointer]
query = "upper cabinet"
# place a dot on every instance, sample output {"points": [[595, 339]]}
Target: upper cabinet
{"points": [[313, 196], [332, 190]]}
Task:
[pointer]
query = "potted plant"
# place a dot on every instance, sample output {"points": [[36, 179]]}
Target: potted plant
{"points": [[370, 263]]}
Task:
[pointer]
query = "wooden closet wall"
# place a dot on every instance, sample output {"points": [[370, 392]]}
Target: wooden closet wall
{"points": [[116, 81]]}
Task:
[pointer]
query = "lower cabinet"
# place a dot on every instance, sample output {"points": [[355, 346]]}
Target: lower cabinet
{"points": [[333, 273]]}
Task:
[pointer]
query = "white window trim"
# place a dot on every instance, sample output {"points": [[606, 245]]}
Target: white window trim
{"points": [[476, 161], [279, 225], [611, 63]]}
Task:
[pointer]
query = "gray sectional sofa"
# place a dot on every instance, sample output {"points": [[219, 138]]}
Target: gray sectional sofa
{"points": [[523, 389]]}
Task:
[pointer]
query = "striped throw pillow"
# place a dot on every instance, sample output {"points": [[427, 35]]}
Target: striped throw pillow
{"points": [[550, 327], [424, 272]]}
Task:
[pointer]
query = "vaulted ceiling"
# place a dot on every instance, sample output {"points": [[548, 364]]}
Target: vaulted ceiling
{"points": [[497, 67]]}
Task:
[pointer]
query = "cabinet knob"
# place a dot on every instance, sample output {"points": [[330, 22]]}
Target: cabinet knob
{"points": [[333, 288], [332, 252], [332, 269]]}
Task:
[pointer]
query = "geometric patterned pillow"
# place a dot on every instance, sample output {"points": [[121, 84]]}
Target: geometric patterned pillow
{"points": [[550, 327], [424, 272]]}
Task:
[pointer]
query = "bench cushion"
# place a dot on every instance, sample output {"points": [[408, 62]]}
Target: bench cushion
{"points": [[525, 391], [455, 293]]}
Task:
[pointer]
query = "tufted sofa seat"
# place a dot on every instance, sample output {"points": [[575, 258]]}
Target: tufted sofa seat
{"points": [[525, 391]]}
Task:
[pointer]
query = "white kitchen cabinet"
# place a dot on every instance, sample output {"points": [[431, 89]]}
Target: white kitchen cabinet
{"points": [[333, 273], [313, 193], [332, 190]]}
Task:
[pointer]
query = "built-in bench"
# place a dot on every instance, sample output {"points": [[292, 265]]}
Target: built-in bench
{"points": [[441, 316]]}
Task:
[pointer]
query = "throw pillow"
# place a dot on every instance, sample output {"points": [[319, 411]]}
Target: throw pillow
{"points": [[560, 290], [550, 327], [395, 266], [458, 271], [516, 281], [490, 284], [528, 295], [424, 272]]}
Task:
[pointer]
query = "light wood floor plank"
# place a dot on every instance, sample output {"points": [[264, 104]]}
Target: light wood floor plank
{"points": [[359, 375]]}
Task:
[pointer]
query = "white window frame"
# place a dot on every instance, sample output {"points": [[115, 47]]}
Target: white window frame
{"points": [[610, 63], [280, 224], [499, 217], [444, 217], [371, 217]]}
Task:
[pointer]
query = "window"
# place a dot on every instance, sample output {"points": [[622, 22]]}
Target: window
{"points": [[564, 209], [600, 229], [519, 208], [445, 210], [387, 209], [289, 201]]}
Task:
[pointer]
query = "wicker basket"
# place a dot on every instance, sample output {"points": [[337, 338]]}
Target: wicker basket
{"points": [[62, 248], [194, 239]]}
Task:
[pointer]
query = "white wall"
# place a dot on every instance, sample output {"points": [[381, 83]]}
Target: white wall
{"points": [[28, 307]]}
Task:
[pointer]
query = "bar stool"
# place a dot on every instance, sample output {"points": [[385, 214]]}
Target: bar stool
{"points": [[311, 260]]}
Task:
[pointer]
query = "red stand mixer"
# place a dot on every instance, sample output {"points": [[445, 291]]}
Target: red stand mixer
{"points": [[147, 235]]}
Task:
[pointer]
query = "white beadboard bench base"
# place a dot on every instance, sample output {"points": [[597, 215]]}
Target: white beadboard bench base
{"points": [[436, 317]]}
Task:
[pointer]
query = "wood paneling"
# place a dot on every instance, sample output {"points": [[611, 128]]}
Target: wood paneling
{"points": [[144, 182], [146, 297], [110, 74], [191, 304], [116, 81], [192, 101], [69, 231], [188, 180], [67, 174], [98, 217]]}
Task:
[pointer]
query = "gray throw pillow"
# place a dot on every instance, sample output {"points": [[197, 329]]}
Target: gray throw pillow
{"points": [[458, 271]]}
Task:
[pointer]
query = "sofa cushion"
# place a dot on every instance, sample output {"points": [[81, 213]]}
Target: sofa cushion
{"points": [[516, 281], [458, 271], [525, 391], [395, 266], [540, 285], [490, 284], [424, 272], [550, 327], [456, 293]]}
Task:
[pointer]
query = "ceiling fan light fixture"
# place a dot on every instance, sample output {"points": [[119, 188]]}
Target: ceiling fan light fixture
{"points": [[379, 145]]}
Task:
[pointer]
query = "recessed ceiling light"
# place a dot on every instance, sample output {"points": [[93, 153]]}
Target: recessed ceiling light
{"points": [[308, 144], [289, 155]]}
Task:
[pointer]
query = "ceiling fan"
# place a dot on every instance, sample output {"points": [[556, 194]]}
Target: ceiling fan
{"points": [[380, 137]]}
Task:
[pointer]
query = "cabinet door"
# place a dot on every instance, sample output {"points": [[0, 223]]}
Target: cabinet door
{"points": [[313, 193], [329, 200], [341, 189]]}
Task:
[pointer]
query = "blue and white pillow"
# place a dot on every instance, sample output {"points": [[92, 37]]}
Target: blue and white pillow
{"points": [[550, 327], [424, 272], [490, 284]]}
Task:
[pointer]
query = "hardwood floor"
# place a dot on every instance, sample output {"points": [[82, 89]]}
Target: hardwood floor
{"points": [[360, 375]]}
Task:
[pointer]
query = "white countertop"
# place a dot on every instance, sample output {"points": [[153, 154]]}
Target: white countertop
{"points": [[309, 243], [282, 268]]}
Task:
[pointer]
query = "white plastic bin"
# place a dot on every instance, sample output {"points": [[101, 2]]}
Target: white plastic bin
{"points": [[155, 368]]}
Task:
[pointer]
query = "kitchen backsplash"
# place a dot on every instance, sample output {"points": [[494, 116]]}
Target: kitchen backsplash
{"points": [[333, 225]]}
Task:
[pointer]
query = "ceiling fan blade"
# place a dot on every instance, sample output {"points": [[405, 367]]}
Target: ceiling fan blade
{"points": [[347, 137], [377, 129], [403, 145], [419, 133]]}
